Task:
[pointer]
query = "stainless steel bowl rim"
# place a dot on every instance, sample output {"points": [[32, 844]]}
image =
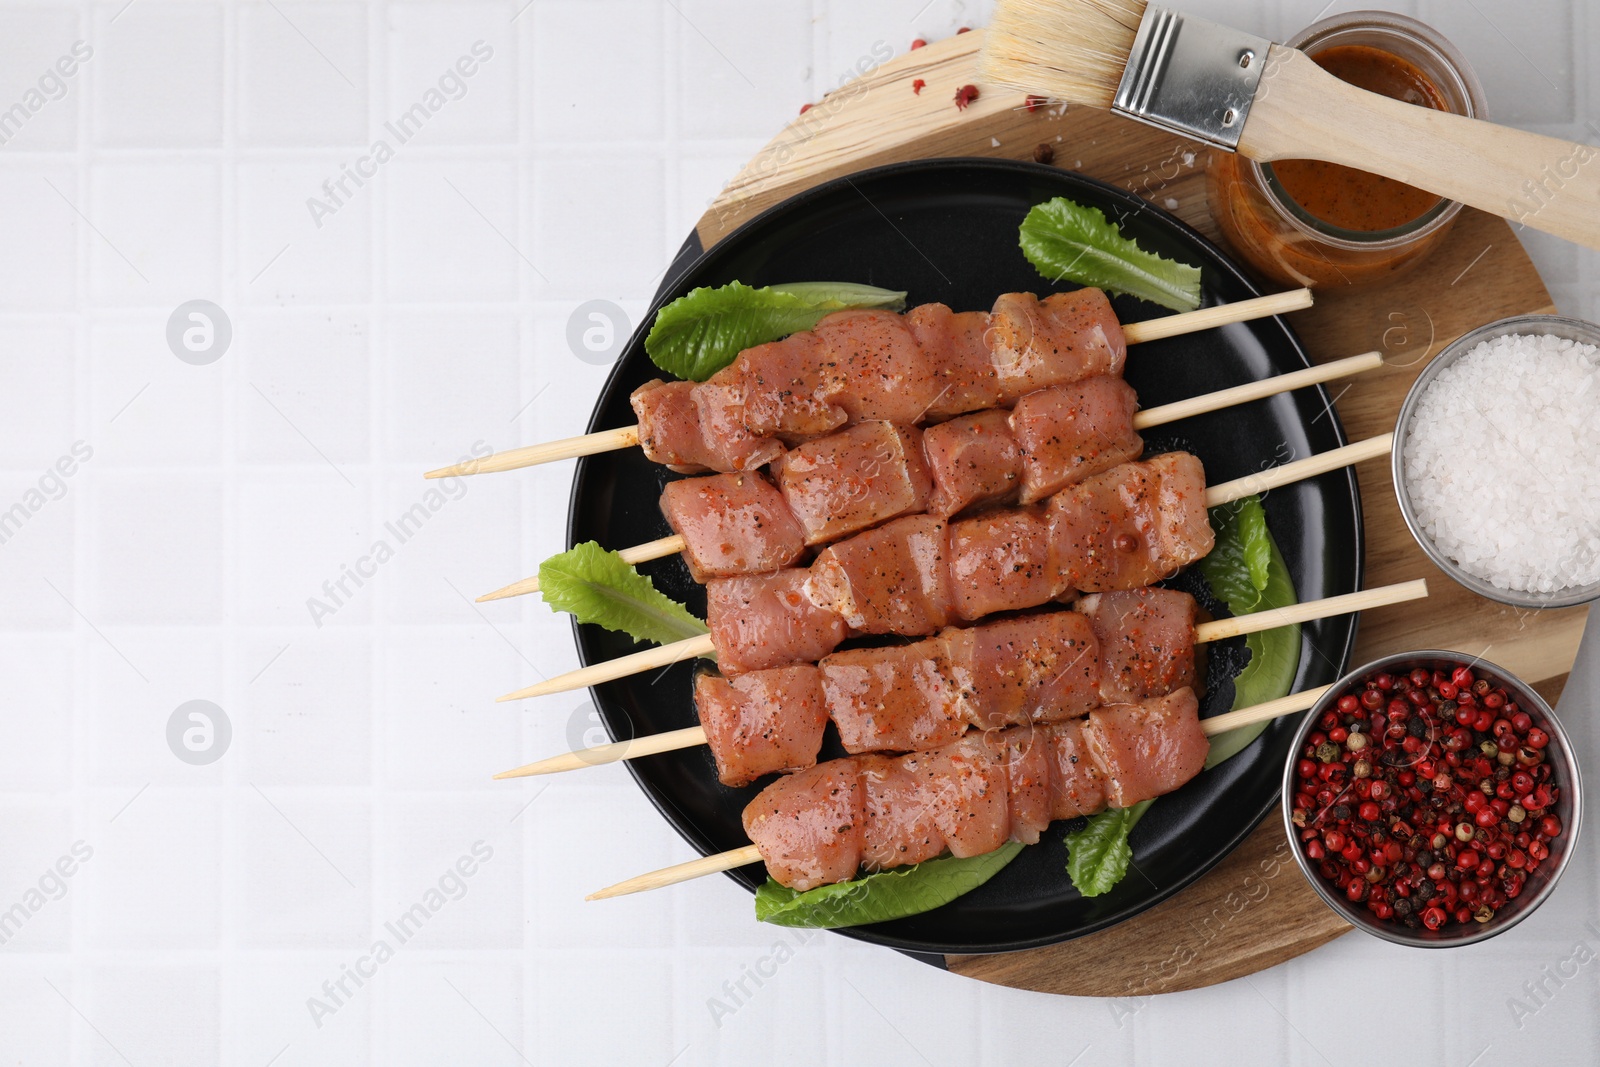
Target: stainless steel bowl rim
{"points": [[1588, 333], [1571, 798]]}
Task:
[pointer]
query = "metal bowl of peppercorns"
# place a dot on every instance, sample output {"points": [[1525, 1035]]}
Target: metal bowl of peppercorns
{"points": [[1432, 798]]}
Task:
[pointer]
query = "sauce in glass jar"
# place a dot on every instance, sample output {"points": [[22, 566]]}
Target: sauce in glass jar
{"points": [[1354, 199], [1307, 222]]}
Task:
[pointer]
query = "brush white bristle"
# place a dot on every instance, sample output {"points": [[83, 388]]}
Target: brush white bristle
{"points": [[1064, 49]]}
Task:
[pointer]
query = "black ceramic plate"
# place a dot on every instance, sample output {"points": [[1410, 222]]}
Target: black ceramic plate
{"points": [[946, 230]]}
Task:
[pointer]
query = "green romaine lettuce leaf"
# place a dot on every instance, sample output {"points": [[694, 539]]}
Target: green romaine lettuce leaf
{"points": [[703, 331], [599, 587], [1098, 854], [1247, 571], [886, 895], [1070, 241]]}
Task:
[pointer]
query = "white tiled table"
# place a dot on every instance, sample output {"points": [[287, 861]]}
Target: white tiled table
{"points": [[214, 911]]}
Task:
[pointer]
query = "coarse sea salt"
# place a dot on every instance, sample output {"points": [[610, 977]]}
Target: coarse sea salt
{"points": [[1502, 463]]}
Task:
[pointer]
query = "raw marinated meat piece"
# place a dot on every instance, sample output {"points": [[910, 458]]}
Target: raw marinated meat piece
{"points": [[854, 479], [766, 620], [732, 524], [761, 722]]}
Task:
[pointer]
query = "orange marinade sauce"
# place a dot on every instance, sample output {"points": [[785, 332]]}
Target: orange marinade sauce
{"points": [[1353, 199]]}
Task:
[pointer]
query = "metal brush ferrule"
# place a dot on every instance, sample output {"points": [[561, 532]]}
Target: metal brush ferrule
{"points": [[1191, 76]]}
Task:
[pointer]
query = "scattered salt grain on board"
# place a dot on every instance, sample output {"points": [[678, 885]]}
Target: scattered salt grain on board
{"points": [[1502, 461]]}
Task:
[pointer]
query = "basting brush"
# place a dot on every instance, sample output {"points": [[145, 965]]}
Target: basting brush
{"points": [[1242, 93]]}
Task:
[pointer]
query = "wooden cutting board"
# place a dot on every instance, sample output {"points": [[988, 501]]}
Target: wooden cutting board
{"points": [[1254, 909]]}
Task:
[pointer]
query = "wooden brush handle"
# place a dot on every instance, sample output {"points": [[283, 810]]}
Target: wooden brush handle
{"points": [[1301, 111]]}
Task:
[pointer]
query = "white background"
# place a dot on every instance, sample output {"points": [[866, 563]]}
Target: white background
{"points": [[428, 313]]}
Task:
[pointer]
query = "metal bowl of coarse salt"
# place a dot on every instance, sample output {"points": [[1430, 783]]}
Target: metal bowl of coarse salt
{"points": [[1497, 461]]}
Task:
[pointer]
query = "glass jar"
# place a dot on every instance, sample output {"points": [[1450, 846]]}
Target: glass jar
{"points": [[1270, 230]]}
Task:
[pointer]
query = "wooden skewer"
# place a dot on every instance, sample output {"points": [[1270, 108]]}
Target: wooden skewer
{"points": [[1310, 467], [621, 667], [533, 455], [1258, 307], [682, 872], [1257, 390], [662, 546], [1311, 610], [1272, 709], [1227, 492], [595, 755], [1215, 630], [1142, 420], [739, 857]]}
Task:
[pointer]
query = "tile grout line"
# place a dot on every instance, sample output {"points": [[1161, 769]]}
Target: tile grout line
{"points": [[228, 294], [524, 31], [375, 209], [82, 683]]}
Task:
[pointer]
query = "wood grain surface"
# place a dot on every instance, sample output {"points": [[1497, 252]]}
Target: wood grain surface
{"points": [[1254, 910]]}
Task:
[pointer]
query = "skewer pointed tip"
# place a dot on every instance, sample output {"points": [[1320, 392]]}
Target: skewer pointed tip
{"points": [[681, 872], [648, 659], [517, 588], [570, 761], [539, 689], [621, 889], [467, 467]]}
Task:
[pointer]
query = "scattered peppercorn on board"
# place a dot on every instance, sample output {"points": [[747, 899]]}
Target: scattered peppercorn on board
{"points": [[1254, 910]]}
